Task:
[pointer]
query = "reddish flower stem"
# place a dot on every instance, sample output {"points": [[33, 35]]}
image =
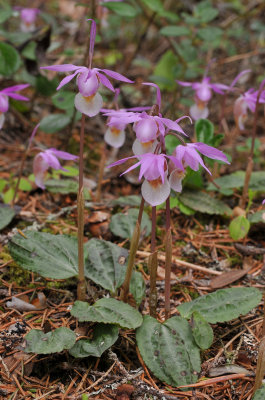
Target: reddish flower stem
{"points": [[152, 266], [249, 170], [168, 263], [81, 287]]}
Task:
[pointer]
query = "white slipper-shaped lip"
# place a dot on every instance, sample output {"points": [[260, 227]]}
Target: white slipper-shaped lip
{"points": [[155, 192], [114, 137], [140, 148], [89, 106], [198, 112], [175, 180]]}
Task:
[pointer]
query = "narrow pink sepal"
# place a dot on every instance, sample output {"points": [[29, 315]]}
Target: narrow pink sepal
{"points": [[62, 67], [116, 75], [105, 81]]}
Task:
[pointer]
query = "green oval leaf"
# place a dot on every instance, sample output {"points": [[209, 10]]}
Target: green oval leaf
{"points": [[63, 186], [137, 287], [132, 200], [45, 86], [64, 99], [175, 30], [108, 311], [6, 215], [104, 264], [239, 227], [201, 330], [204, 203], [231, 181], [169, 350], [258, 216], [122, 9], [154, 5], [259, 394], [24, 185], [55, 122], [55, 256], [104, 336], [9, 59], [52, 342], [5, 12], [52, 256], [204, 131], [122, 225], [210, 33], [223, 305]]}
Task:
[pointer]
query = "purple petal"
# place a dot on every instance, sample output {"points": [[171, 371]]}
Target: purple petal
{"points": [[185, 84], [105, 81], [239, 76], [33, 134], [131, 168], [121, 161], [62, 67], [138, 108], [176, 162], [92, 39], [63, 154], [67, 79], [181, 118], [17, 96], [173, 125], [211, 152], [116, 75], [200, 161], [51, 159], [219, 87], [15, 88]]}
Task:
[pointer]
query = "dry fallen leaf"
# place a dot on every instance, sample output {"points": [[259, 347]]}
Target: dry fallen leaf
{"points": [[231, 276], [229, 369], [161, 274], [23, 305]]}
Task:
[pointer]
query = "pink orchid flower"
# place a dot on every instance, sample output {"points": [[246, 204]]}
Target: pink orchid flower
{"points": [[247, 101], [88, 101], [115, 133], [160, 176], [263, 201], [28, 18], [188, 155], [5, 94], [153, 167], [46, 159], [203, 94], [147, 127]]}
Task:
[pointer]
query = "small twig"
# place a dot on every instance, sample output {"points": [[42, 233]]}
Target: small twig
{"points": [[182, 263], [101, 378]]}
